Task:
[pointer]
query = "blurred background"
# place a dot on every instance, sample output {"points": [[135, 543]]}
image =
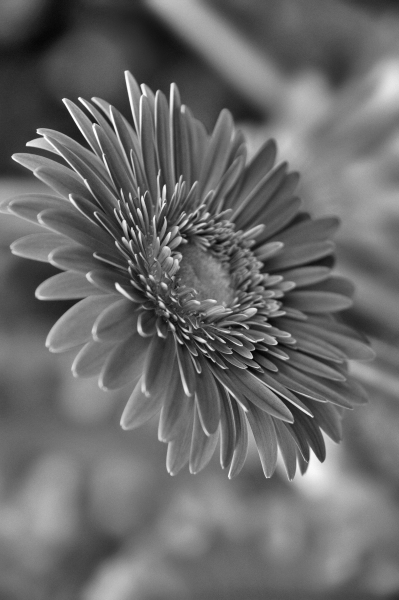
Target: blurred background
{"points": [[87, 511]]}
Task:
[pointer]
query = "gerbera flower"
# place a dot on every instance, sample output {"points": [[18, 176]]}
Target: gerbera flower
{"points": [[201, 282]]}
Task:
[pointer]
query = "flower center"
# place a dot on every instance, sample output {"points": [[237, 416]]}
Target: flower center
{"points": [[205, 274]]}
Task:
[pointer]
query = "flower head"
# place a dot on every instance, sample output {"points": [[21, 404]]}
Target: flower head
{"points": [[201, 282]]}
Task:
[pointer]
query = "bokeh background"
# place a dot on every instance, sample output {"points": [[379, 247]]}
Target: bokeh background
{"points": [[88, 512]]}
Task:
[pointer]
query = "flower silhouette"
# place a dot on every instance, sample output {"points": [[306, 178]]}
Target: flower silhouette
{"points": [[200, 281]]}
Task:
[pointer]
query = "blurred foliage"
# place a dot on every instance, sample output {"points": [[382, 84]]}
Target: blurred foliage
{"points": [[87, 511]]}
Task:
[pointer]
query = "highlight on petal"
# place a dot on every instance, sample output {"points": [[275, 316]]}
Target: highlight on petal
{"points": [[200, 282]]}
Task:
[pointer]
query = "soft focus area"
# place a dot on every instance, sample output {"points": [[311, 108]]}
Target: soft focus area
{"points": [[88, 511]]}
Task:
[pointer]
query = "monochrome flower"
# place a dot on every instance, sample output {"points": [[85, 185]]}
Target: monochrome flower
{"points": [[201, 282]]}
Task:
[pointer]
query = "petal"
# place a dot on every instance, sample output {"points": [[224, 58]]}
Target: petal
{"points": [[241, 448], [134, 98], [120, 171], [317, 230], [90, 359], [84, 124], [265, 437], [300, 255], [311, 365], [179, 448], [78, 228], [127, 137], [276, 194], [227, 430], [332, 391], [164, 142], [38, 246], [328, 419], [125, 363], [116, 322], [64, 182], [318, 302], [259, 197], [73, 257], [304, 276], [246, 384], [272, 382], [202, 446], [159, 365], [255, 171], [66, 286], [147, 146], [28, 206], [177, 407], [106, 279], [340, 336], [308, 428], [278, 217], [207, 399], [140, 408], [287, 448], [83, 161], [186, 368], [217, 154], [74, 327]]}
